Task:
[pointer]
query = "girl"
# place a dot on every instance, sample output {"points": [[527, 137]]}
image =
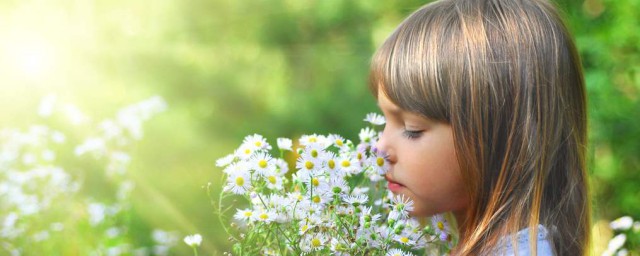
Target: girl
{"points": [[485, 108]]}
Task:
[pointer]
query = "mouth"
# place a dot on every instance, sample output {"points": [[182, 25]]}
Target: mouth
{"points": [[393, 186]]}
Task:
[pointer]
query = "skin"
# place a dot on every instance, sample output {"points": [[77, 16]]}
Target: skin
{"points": [[422, 161]]}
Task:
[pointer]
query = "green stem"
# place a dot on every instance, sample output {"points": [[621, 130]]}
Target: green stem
{"points": [[195, 250]]}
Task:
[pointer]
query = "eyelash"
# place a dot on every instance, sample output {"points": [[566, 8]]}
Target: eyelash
{"points": [[411, 134]]}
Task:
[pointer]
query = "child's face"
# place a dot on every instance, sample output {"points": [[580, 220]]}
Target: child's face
{"points": [[422, 159]]}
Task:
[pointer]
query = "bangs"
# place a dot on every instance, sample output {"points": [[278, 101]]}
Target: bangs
{"points": [[411, 67]]}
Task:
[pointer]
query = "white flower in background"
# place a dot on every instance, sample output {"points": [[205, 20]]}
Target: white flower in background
{"points": [[47, 105], [622, 223], [375, 119], [93, 145], [193, 240], [110, 129], [73, 113], [615, 243], [285, 144], [97, 213]]}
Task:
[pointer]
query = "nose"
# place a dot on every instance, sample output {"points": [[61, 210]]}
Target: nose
{"points": [[384, 147]]}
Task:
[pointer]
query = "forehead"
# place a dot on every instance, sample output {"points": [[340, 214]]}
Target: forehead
{"points": [[386, 105]]}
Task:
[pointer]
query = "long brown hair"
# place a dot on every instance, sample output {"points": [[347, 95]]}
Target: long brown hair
{"points": [[507, 77]]}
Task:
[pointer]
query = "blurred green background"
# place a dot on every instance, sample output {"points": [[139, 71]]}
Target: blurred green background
{"points": [[279, 68]]}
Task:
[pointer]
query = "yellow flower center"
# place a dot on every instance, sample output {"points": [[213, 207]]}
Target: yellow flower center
{"points": [[247, 151], [272, 179], [315, 182], [404, 239], [314, 153], [380, 161], [262, 163], [308, 165], [359, 156], [339, 142], [258, 144], [315, 242], [248, 214], [239, 181], [313, 139], [304, 228], [331, 163], [440, 225], [264, 216], [346, 163], [316, 199]]}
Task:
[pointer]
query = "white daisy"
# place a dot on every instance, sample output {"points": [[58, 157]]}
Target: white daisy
{"points": [[238, 183], [440, 226], [266, 216], [367, 134], [314, 152], [314, 242], [236, 168], [405, 239], [257, 142], [403, 205], [308, 164], [243, 215], [224, 161], [285, 144], [330, 164], [338, 141], [245, 151], [356, 200], [398, 252], [348, 165], [262, 163], [306, 140], [273, 180], [282, 167], [379, 163], [375, 119]]}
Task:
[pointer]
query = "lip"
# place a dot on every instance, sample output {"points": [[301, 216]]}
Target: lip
{"points": [[393, 185]]}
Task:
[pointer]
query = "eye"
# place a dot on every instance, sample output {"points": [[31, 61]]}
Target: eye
{"points": [[411, 134]]}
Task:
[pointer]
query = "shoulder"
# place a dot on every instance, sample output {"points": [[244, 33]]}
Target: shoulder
{"points": [[523, 248]]}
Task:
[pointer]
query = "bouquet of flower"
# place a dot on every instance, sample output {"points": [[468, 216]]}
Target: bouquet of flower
{"points": [[335, 202]]}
